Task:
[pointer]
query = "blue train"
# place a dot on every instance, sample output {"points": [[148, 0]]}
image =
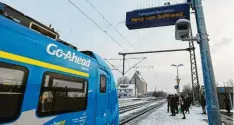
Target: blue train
{"points": [[47, 81]]}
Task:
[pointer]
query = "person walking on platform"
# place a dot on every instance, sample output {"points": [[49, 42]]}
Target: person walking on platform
{"points": [[168, 103], [227, 103], [183, 106], [203, 104]]}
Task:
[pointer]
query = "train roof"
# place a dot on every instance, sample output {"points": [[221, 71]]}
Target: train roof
{"points": [[99, 59], [30, 23]]}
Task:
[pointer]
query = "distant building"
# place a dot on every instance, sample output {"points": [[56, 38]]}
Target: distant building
{"points": [[141, 85], [125, 90]]}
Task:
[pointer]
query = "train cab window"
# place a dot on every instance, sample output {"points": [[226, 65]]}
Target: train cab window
{"points": [[12, 88], [103, 84], [62, 94]]}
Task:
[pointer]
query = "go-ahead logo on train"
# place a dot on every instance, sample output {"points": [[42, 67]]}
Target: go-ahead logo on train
{"points": [[53, 49]]}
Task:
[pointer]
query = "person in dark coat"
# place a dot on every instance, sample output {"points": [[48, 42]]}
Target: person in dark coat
{"points": [[191, 101], [183, 106], [177, 103], [203, 104], [227, 103], [168, 103], [187, 104], [173, 105]]}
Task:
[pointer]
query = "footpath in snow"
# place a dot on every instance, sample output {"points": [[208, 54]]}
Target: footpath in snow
{"points": [[161, 117]]}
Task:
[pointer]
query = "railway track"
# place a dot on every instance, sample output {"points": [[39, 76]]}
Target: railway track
{"points": [[131, 107], [135, 106], [140, 113]]}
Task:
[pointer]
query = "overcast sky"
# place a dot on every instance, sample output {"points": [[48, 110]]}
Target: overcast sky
{"points": [[74, 27]]}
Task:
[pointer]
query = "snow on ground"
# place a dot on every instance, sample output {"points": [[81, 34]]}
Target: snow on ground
{"points": [[130, 103], [161, 117], [138, 109], [224, 110], [127, 99], [156, 103]]}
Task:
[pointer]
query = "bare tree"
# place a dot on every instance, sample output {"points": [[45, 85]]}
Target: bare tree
{"points": [[187, 90], [217, 84], [159, 94], [123, 80], [230, 83]]}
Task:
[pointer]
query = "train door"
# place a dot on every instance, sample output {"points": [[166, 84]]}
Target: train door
{"points": [[102, 98]]}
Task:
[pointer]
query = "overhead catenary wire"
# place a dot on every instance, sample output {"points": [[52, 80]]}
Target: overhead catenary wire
{"points": [[78, 46], [109, 23], [112, 26], [113, 66], [96, 24], [125, 58], [101, 27], [153, 72]]}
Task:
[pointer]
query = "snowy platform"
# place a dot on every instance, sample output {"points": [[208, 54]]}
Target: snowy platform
{"points": [[161, 117], [229, 115]]}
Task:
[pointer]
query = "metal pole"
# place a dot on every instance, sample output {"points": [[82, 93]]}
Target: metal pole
{"points": [[194, 73], [123, 65], [230, 98], [193, 103], [178, 83], [213, 110], [177, 72], [160, 51], [228, 95], [177, 78], [135, 86]]}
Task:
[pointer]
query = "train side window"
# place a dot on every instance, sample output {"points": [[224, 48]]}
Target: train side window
{"points": [[12, 87], [62, 94], [103, 84]]}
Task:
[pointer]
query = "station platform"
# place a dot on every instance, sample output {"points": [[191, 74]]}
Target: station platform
{"points": [[162, 117]]}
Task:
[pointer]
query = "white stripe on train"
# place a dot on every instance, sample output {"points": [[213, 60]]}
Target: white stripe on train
{"points": [[30, 118]]}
